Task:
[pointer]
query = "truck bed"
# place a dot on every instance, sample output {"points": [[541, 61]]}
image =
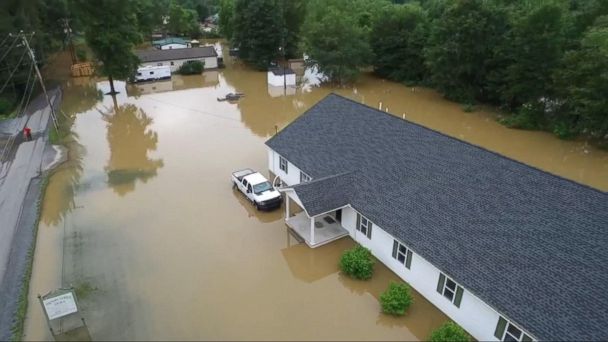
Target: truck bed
{"points": [[242, 173]]}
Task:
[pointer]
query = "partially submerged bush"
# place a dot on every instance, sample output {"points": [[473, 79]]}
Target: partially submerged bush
{"points": [[357, 263], [450, 331], [5, 106], [191, 68], [396, 299]]}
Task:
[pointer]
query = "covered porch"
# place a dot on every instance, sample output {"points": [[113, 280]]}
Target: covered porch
{"points": [[316, 230]]}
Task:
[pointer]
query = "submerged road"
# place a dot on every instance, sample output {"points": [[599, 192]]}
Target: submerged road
{"points": [[23, 163]]}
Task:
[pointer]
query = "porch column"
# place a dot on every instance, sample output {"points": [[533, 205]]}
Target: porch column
{"points": [[286, 206], [312, 230]]}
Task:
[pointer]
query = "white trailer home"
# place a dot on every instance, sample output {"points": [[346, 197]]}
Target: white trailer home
{"points": [[174, 58], [507, 251], [152, 73]]}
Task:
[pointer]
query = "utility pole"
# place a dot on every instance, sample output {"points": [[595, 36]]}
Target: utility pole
{"points": [[48, 100], [68, 32]]}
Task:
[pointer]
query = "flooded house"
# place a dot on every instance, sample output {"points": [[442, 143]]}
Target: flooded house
{"points": [[176, 57], [506, 250], [170, 43], [281, 77]]}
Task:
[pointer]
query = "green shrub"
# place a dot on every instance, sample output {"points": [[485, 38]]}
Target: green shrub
{"points": [[529, 116], [562, 131], [81, 54], [468, 107], [5, 106], [450, 331], [191, 68], [396, 299], [357, 263]]}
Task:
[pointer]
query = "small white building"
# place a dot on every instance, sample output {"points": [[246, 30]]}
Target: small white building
{"points": [[174, 58], [280, 77], [507, 251], [171, 43]]}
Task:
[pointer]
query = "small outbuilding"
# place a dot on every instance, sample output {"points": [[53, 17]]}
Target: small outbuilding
{"points": [[280, 77], [171, 43]]}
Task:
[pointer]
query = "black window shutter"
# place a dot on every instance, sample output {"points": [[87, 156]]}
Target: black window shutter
{"points": [[408, 259], [500, 328], [440, 283], [458, 296], [369, 229], [358, 226], [395, 245]]}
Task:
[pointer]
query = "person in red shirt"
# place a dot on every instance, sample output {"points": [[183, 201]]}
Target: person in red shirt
{"points": [[27, 132]]}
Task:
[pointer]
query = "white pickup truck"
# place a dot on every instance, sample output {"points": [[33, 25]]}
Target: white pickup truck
{"points": [[257, 189]]}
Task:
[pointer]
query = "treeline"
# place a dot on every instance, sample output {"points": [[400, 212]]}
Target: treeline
{"points": [[544, 61], [111, 28], [42, 17]]}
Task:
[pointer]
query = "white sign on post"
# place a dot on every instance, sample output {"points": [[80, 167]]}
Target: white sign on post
{"points": [[60, 306]]}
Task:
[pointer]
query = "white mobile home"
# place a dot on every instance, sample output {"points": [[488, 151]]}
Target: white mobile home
{"points": [[151, 73], [176, 57], [507, 251]]}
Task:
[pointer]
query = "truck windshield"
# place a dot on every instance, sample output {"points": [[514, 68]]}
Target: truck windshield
{"points": [[259, 188]]}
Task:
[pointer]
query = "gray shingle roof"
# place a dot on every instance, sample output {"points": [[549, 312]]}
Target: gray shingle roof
{"points": [[325, 194], [147, 56], [532, 245]]}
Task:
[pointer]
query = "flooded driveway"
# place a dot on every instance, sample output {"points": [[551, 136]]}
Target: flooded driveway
{"points": [[144, 223]]}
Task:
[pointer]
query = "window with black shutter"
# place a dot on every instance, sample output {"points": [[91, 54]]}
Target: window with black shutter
{"points": [[507, 331], [402, 254], [364, 226], [450, 290]]}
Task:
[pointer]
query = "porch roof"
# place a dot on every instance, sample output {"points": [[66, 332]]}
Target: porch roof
{"points": [[325, 194]]}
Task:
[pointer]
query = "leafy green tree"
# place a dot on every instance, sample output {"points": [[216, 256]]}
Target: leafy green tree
{"points": [[258, 31], [398, 37], [335, 40], [182, 21], [449, 332], [293, 15], [226, 18], [533, 52], [583, 81], [460, 46], [111, 37]]}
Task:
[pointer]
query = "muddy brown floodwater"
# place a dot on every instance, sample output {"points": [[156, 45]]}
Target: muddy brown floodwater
{"points": [[143, 222]]}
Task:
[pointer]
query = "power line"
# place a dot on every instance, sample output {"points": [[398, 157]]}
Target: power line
{"points": [[5, 39], [13, 72], [9, 48]]}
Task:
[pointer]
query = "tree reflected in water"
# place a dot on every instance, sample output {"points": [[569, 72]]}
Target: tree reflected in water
{"points": [[130, 140]]}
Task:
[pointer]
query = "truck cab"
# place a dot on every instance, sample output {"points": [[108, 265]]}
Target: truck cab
{"points": [[257, 189]]}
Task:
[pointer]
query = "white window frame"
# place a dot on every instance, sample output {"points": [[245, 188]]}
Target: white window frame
{"points": [[304, 177], [283, 164], [522, 333], [403, 251], [365, 226], [446, 288]]}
